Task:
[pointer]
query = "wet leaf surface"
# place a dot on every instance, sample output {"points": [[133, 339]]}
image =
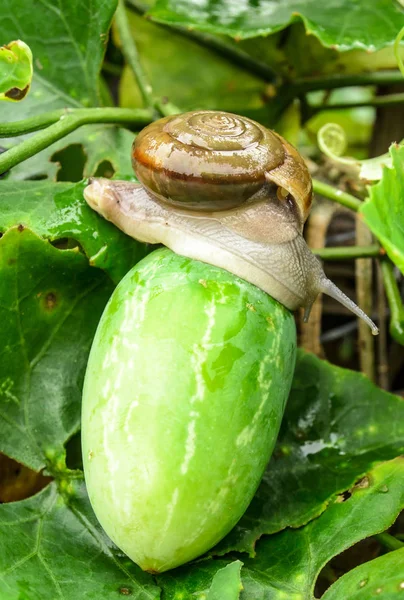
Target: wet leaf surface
{"points": [[58, 211], [287, 564], [340, 24]]}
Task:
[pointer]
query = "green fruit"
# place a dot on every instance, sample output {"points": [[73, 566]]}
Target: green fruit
{"points": [[184, 393]]}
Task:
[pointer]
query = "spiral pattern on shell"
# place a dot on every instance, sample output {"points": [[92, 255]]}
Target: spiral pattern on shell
{"points": [[216, 131], [206, 160]]}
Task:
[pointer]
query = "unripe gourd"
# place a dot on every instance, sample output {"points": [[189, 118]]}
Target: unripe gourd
{"points": [[184, 393]]}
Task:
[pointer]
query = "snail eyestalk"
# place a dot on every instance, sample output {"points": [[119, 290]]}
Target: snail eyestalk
{"points": [[329, 288]]}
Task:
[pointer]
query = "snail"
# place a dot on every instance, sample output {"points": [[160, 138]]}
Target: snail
{"points": [[223, 189]]}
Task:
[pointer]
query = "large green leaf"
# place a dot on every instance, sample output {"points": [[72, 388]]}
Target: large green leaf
{"points": [[68, 43], [67, 40], [382, 577], [383, 211], [52, 547], [341, 24], [50, 304], [337, 425], [57, 211], [287, 564]]}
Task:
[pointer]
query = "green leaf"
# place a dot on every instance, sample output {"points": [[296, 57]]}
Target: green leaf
{"points": [[203, 580], [226, 584], [15, 71], [287, 564], [383, 211], [68, 46], [67, 41], [343, 25], [50, 304], [382, 577], [52, 547], [336, 426], [57, 211], [218, 84]]}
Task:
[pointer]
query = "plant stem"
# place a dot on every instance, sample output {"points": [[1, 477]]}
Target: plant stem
{"points": [[397, 50], [112, 69], [138, 116], [330, 82], [395, 302], [388, 100], [348, 252], [389, 541], [68, 121], [319, 187], [227, 49], [131, 55]]}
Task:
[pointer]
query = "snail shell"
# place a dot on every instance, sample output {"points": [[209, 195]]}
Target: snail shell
{"points": [[222, 189], [212, 160]]}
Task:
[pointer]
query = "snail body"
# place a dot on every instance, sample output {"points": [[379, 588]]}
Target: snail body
{"points": [[225, 190]]}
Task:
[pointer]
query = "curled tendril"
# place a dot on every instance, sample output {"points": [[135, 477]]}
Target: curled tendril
{"points": [[332, 142]]}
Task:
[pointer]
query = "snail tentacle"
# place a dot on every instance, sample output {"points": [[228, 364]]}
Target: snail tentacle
{"points": [[329, 288]]}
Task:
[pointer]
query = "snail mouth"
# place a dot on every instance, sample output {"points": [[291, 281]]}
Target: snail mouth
{"points": [[92, 193]]}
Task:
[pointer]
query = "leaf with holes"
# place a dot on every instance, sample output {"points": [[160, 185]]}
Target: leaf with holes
{"points": [[75, 38], [380, 578], [287, 564], [65, 34], [383, 211], [343, 24], [15, 71], [336, 426], [59, 213], [58, 550], [50, 303]]}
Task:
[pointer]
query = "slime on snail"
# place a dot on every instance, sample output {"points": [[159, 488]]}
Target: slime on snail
{"points": [[225, 190]]}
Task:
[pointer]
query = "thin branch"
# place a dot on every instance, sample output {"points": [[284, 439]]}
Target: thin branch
{"points": [[131, 55], [395, 302], [67, 122], [349, 252], [94, 115], [389, 541], [235, 55], [331, 82], [397, 53], [388, 100], [112, 69], [319, 187]]}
